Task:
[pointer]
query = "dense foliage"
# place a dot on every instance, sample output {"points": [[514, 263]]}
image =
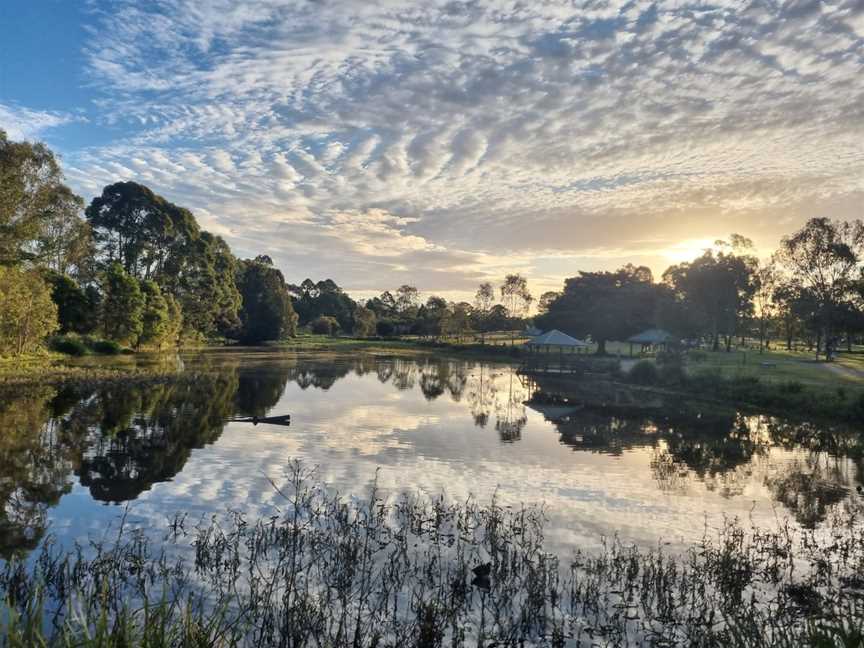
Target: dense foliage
{"points": [[267, 312], [132, 267]]}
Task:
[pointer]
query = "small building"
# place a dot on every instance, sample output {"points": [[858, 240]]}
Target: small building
{"points": [[557, 341], [652, 338]]}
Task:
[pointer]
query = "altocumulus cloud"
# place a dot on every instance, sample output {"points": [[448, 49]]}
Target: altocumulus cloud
{"points": [[445, 142]]}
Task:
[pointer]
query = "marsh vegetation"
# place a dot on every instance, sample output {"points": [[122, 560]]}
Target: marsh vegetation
{"points": [[331, 570]]}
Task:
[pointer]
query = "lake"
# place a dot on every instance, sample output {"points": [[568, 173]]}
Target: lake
{"points": [[73, 462]]}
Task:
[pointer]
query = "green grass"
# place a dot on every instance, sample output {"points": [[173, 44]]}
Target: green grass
{"points": [[784, 366]]}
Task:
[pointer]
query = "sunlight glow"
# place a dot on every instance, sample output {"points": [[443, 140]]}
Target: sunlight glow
{"points": [[688, 250]]}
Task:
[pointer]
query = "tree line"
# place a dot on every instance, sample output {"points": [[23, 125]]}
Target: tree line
{"points": [[810, 291], [134, 269], [130, 268]]}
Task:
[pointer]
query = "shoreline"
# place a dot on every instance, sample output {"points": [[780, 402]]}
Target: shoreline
{"points": [[825, 403]]}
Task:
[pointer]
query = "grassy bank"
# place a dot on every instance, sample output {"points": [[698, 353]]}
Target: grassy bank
{"points": [[336, 571], [321, 343], [56, 369], [828, 397]]}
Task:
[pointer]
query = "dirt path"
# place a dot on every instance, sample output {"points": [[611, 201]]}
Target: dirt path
{"points": [[845, 372]]}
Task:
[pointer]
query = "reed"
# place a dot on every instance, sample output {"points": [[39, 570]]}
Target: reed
{"points": [[330, 570]]}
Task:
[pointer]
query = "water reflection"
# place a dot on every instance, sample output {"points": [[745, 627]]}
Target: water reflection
{"points": [[118, 442]]}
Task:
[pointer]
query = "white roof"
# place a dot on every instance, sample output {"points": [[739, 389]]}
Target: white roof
{"points": [[556, 338]]}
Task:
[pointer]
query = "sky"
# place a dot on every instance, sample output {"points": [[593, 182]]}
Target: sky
{"points": [[443, 144]]}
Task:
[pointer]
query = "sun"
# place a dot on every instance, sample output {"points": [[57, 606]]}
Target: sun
{"points": [[688, 250]]}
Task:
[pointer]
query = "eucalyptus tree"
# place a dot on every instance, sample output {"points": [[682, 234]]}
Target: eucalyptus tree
{"points": [[407, 299], [484, 299], [823, 259], [152, 238], [515, 295], [122, 305], [365, 322], [141, 230], [605, 305], [267, 312], [27, 313], [64, 243], [718, 287], [31, 189]]}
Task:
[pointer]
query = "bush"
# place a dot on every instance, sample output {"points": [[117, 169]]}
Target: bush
{"points": [[105, 347], [67, 344], [791, 387], [324, 325], [644, 372]]}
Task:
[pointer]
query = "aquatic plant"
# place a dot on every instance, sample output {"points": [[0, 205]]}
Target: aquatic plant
{"points": [[329, 570]]}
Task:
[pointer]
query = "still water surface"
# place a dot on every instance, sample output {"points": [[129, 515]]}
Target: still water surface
{"points": [[73, 462]]}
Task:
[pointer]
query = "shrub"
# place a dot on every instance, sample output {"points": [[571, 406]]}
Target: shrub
{"points": [[644, 372], [67, 344], [791, 387], [105, 347], [324, 325]]}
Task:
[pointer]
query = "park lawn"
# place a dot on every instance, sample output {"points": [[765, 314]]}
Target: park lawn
{"points": [[784, 366]]}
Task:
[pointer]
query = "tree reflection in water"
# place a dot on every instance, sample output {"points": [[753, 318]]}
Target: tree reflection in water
{"points": [[34, 468], [121, 440]]}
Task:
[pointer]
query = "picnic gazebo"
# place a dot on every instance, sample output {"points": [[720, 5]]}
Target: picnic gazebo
{"points": [[555, 340], [651, 337]]}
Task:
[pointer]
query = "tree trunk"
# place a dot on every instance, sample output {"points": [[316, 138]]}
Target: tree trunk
{"points": [[601, 347], [761, 335]]}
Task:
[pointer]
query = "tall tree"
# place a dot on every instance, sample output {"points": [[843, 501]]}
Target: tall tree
{"points": [[205, 286], [766, 282], [605, 305], [484, 299], [77, 308], [30, 182], [122, 305], [364, 322], [407, 298], [27, 313], [161, 318], [64, 242], [140, 230], [515, 295], [267, 313], [717, 287], [822, 258]]}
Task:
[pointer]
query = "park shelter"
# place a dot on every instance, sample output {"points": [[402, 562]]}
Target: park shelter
{"points": [[651, 338], [555, 340]]}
